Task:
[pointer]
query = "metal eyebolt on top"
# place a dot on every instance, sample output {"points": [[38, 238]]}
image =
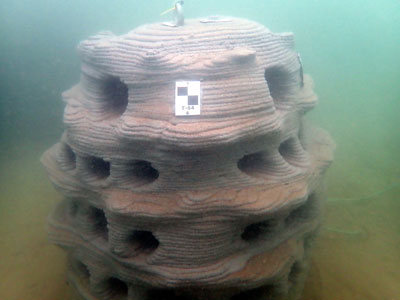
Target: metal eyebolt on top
{"points": [[179, 16]]}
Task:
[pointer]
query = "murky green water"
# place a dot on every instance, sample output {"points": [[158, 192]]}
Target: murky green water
{"points": [[351, 49]]}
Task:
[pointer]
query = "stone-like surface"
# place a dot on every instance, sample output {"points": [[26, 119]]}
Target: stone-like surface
{"points": [[218, 206]]}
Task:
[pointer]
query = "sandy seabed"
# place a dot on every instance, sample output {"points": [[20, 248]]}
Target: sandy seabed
{"points": [[356, 256]]}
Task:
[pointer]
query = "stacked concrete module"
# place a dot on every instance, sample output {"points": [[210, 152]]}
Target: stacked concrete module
{"points": [[219, 205]]}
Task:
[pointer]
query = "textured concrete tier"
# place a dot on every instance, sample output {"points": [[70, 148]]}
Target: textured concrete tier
{"points": [[223, 205]]}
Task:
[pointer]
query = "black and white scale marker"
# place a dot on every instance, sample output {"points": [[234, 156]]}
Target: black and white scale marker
{"points": [[187, 98]]}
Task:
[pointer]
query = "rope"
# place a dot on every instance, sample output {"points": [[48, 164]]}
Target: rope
{"points": [[372, 196]]}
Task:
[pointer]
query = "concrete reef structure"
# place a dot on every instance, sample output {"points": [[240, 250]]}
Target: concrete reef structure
{"points": [[223, 205]]}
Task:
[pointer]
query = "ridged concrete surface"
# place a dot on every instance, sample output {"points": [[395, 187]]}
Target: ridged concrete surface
{"points": [[223, 205]]}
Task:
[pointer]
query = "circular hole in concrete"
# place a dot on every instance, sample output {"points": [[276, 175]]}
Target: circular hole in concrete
{"points": [[67, 157], [118, 289], [255, 164], [250, 163], [287, 150], [98, 167], [278, 81], [142, 172], [266, 165], [99, 221], [143, 240], [116, 96], [293, 152], [254, 231]]}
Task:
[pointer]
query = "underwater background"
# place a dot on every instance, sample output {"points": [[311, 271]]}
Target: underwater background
{"points": [[350, 48]]}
